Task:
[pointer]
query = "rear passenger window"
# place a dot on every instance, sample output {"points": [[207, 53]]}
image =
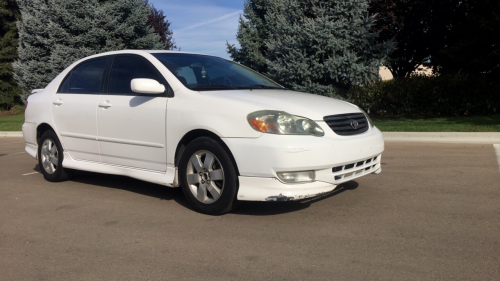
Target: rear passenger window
{"points": [[86, 78], [126, 68], [64, 85]]}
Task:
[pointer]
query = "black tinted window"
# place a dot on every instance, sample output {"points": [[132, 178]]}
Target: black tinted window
{"points": [[64, 85], [126, 68], [86, 78]]}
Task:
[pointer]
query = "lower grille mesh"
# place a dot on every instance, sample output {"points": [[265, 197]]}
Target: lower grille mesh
{"points": [[349, 171]]}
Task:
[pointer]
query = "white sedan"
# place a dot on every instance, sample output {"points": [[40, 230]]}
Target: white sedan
{"points": [[217, 129]]}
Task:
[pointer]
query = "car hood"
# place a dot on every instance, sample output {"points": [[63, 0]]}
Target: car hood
{"points": [[302, 104]]}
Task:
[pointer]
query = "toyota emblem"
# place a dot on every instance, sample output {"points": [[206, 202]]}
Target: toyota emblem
{"points": [[354, 124]]}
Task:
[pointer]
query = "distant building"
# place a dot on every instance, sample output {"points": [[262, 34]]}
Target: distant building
{"points": [[386, 74]]}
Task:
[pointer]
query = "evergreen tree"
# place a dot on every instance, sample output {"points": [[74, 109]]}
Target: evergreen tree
{"points": [[253, 30], [313, 46], [55, 33], [9, 13]]}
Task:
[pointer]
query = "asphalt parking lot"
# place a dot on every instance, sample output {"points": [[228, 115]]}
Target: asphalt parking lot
{"points": [[432, 214]]}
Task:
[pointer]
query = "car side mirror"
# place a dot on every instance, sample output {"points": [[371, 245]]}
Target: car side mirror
{"points": [[147, 86]]}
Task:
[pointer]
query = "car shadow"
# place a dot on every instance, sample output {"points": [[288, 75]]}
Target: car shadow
{"points": [[37, 168], [129, 184], [175, 194], [277, 208]]}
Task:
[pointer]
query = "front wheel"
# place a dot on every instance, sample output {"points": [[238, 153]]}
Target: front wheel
{"points": [[208, 177]]}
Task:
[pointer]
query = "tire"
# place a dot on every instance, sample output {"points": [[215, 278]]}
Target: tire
{"points": [[208, 177], [50, 158]]}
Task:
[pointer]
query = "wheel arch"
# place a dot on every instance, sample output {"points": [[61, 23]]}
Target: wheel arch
{"points": [[42, 128], [194, 134]]}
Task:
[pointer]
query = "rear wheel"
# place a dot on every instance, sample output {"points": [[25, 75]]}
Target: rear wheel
{"points": [[208, 177], [50, 157]]}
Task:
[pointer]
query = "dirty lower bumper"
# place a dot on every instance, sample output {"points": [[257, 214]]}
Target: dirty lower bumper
{"points": [[271, 189]]}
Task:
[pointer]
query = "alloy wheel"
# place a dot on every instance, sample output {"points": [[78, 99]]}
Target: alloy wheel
{"points": [[205, 177], [50, 156]]}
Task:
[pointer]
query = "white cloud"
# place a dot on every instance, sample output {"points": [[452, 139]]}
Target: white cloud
{"points": [[202, 28], [214, 20]]}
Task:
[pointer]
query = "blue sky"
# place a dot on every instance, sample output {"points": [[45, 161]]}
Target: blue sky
{"points": [[203, 26]]}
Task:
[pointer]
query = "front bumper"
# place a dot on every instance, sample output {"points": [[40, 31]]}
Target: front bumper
{"points": [[334, 159]]}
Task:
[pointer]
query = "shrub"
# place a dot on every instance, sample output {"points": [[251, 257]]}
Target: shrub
{"points": [[428, 96], [17, 109]]}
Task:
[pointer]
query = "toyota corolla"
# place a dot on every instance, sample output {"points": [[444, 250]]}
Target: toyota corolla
{"points": [[217, 129]]}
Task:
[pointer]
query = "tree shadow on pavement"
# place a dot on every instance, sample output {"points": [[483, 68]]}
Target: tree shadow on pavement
{"points": [[276, 208]]}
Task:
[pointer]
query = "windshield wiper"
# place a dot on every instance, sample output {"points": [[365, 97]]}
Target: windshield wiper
{"points": [[258, 86], [212, 87]]}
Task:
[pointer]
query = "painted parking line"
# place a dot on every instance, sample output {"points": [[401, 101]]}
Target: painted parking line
{"points": [[15, 153], [12, 142], [27, 174], [497, 151]]}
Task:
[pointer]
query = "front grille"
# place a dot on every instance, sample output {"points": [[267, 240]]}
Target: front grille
{"points": [[342, 124], [349, 171]]}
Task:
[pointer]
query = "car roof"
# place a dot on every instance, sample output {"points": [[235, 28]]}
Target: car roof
{"points": [[137, 52], [142, 52]]}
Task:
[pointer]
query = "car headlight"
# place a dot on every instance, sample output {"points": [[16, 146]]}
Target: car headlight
{"points": [[367, 118], [282, 123]]}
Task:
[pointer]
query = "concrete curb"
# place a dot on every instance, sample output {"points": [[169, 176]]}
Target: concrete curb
{"points": [[11, 134], [448, 137]]}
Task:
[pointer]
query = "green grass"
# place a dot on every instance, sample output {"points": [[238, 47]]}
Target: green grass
{"points": [[11, 123], [449, 124]]}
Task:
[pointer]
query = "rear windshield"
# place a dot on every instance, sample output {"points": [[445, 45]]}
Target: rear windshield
{"points": [[205, 73]]}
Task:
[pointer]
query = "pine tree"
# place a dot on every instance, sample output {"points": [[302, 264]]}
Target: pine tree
{"points": [[55, 33], [316, 46], [9, 13], [253, 30]]}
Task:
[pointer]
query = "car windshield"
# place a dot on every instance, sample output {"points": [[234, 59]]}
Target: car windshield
{"points": [[207, 73]]}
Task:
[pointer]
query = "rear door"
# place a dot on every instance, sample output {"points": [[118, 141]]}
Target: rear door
{"points": [[131, 126], [74, 108]]}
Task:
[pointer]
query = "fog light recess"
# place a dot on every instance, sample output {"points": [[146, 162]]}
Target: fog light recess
{"points": [[297, 177]]}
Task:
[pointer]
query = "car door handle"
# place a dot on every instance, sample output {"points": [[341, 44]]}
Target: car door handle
{"points": [[104, 105], [57, 102]]}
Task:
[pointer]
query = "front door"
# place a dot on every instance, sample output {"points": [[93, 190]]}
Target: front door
{"points": [[131, 126], [74, 108]]}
